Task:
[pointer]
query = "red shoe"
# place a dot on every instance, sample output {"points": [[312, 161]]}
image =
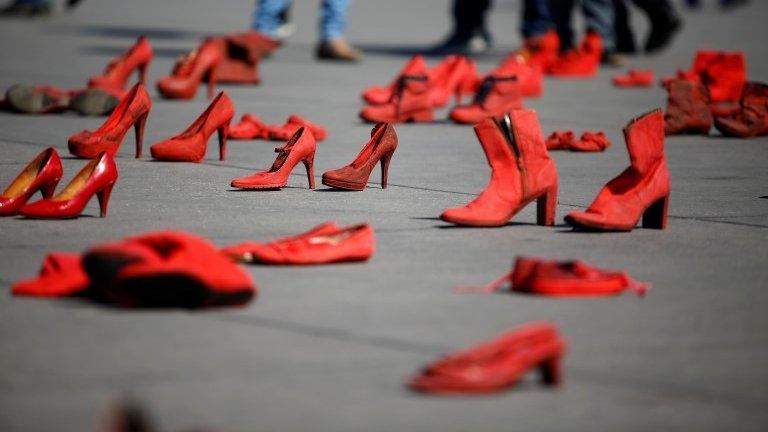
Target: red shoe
{"points": [[355, 176], [561, 279], [190, 145], [251, 127], [240, 60], [529, 76], [300, 148], [725, 76], [43, 174], [120, 69], [497, 95], [191, 70], [591, 142], [541, 51], [98, 178], [323, 244], [687, 109], [642, 190], [294, 122], [635, 78], [752, 118], [580, 63], [132, 110], [61, 275], [700, 62], [498, 364], [413, 101], [454, 76], [560, 140], [377, 95], [256, 44], [28, 99], [521, 172]]}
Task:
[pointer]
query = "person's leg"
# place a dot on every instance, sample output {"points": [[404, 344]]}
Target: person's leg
{"points": [[333, 19], [26, 8], [561, 11], [469, 33], [536, 18], [664, 22], [266, 17], [600, 17], [625, 37]]}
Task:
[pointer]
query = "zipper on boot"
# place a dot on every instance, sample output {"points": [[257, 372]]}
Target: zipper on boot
{"points": [[506, 130]]}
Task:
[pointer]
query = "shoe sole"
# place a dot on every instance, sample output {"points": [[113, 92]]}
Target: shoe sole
{"points": [[22, 98], [94, 103], [340, 184]]}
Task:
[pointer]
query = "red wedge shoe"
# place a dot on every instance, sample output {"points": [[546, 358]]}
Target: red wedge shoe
{"points": [[498, 364], [521, 172], [541, 51], [293, 124], [412, 102], [355, 176], [687, 109], [251, 127], [42, 174], [635, 78], [642, 190], [98, 178], [190, 71], [132, 111], [582, 62], [300, 148], [29, 99], [751, 119], [497, 94], [116, 75], [323, 244], [529, 76], [377, 95], [61, 275], [190, 145]]}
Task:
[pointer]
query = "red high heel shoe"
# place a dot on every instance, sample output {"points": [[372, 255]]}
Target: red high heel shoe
{"points": [[642, 190], [300, 148], [190, 145], [377, 95], [687, 109], [751, 119], [292, 124], [582, 62], [323, 244], [118, 70], [413, 101], [635, 78], [132, 110], [190, 71], [497, 94], [521, 172], [43, 174], [498, 364], [98, 178], [354, 176], [529, 75], [454, 76]]}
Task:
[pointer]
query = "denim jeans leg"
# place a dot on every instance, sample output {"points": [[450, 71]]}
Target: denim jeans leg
{"points": [[600, 17], [265, 18], [536, 18], [333, 20]]}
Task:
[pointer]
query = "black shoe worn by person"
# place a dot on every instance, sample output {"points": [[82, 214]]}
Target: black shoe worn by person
{"points": [[338, 49], [71, 4], [23, 9]]}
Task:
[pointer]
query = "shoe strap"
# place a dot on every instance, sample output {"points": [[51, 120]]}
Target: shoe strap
{"points": [[488, 84]]}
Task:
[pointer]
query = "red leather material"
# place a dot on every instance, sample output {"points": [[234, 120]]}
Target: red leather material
{"points": [[688, 110], [751, 118], [354, 176], [61, 275], [497, 94], [582, 62], [292, 124], [541, 51], [42, 174], [635, 78], [191, 70], [119, 70]]}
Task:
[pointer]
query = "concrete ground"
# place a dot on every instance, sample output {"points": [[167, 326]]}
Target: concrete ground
{"points": [[327, 348]]}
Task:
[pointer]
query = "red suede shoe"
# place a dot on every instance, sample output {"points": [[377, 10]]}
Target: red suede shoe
{"points": [[560, 140], [355, 176], [413, 101], [541, 51], [132, 110], [582, 62], [497, 95], [751, 120], [61, 275], [116, 75], [294, 122], [521, 172], [98, 178], [300, 148], [454, 76], [323, 244], [27, 99], [256, 44], [251, 127], [377, 95], [725, 76], [241, 54], [498, 364], [190, 145], [642, 190], [42, 174], [529, 76], [687, 109], [191, 70], [700, 62], [591, 142], [635, 78]]}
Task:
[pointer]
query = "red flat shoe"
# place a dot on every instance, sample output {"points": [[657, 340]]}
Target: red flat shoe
{"points": [[591, 142], [413, 101], [635, 78], [293, 124], [300, 148], [498, 364], [116, 75], [98, 178], [751, 118], [354, 176], [377, 95], [497, 94], [521, 172], [642, 190], [560, 140], [27, 99], [132, 110], [191, 70], [582, 62], [251, 127], [190, 144], [61, 275], [529, 76], [323, 244], [43, 174], [687, 109]]}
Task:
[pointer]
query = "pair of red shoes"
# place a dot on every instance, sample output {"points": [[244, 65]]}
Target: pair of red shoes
{"points": [[589, 141], [581, 62], [251, 127], [722, 73], [159, 269], [635, 78], [43, 174]]}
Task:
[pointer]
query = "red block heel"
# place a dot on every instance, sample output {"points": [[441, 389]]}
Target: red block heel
{"points": [[43, 174], [655, 216], [546, 205], [354, 176], [309, 164], [103, 197]]}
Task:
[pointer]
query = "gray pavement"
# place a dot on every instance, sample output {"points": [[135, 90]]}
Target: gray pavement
{"points": [[327, 348]]}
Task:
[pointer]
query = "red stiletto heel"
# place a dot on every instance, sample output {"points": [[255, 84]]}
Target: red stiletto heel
{"points": [[143, 71], [385, 168], [211, 82], [103, 197], [655, 216], [354, 176], [139, 131], [190, 70], [546, 206], [223, 134], [43, 174], [115, 77], [309, 164]]}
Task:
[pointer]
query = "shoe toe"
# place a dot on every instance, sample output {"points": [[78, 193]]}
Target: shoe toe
{"points": [[466, 115]]}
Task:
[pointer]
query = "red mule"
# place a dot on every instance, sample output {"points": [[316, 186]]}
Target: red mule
{"points": [[354, 176], [497, 94], [498, 364], [521, 172], [116, 75], [42, 174], [191, 70], [413, 101], [642, 190], [132, 110], [300, 148], [377, 95], [687, 109], [582, 62], [751, 119], [190, 145], [635, 78], [98, 178], [292, 124]]}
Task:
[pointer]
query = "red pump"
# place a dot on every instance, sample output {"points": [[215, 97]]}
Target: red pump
{"points": [[42, 174], [191, 70], [119, 70], [354, 176]]}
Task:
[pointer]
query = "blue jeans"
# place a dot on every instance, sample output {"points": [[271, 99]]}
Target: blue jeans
{"points": [[333, 19]]}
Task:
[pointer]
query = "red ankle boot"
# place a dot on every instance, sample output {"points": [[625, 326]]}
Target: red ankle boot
{"points": [[751, 120], [132, 110], [190, 71], [582, 62], [687, 109], [300, 148], [355, 176], [61, 275], [377, 95], [251, 127], [413, 101], [498, 364], [725, 76], [191, 144], [292, 124], [454, 76], [635, 78], [541, 51], [642, 190], [98, 178], [529, 76], [118, 70], [521, 172], [42, 174], [496, 95]]}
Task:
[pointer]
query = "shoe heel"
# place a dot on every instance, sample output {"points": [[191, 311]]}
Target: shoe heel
{"points": [[48, 189], [211, 82], [655, 216], [309, 164], [423, 115], [385, 168], [223, 132], [143, 72], [103, 196], [546, 205], [551, 371], [138, 128]]}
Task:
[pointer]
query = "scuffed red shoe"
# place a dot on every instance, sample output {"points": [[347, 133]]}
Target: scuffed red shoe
{"points": [[591, 142], [300, 148], [61, 275], [377, 95], [529, 75], [641, 191], [251, 127], [635, 78], [27, 99], [191, 70], [688, 109], [42, 174], [354, 176], [412, 102], [497, 94], [560, 140], [292, 124], [119, 70], [582, 62], [751, 120]]}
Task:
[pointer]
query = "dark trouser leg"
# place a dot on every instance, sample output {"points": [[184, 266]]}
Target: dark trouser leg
{"points": [[625, 37], [536, 18], [561, 11], [469, 18]]}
